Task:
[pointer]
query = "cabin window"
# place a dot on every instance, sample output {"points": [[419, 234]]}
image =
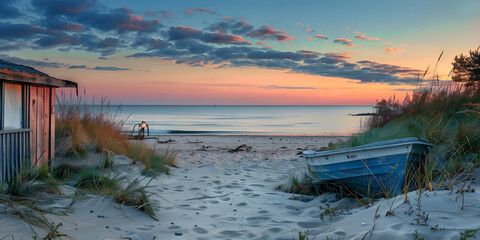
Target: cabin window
{"points": [[13, 106]]}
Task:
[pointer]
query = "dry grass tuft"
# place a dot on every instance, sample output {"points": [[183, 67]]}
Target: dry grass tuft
{"points": [[80, 127]]}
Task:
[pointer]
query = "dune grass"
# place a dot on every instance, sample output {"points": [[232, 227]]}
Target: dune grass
{"points": [[129, 193], [19, 197], [79, 128], [447, 115]]}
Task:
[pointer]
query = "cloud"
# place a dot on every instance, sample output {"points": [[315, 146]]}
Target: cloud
{"points": [[309, 39], [154, 13], [7, 10], [10, 47], [350, 45], [121, 19], [65, 7], [363, 37], [268, 32], [227, 53], [31, 62], [150, 43], [77, 67], [98, 68], [261, 43], [386, 44], [284, 87], [19, 30], [60, 23], [183, 33], [194, 46], [343, 41], [393, 51], [321, 36], [110, 69], [231, 26], [191, 11], [334, 58], [309, 30], [272, 54]]}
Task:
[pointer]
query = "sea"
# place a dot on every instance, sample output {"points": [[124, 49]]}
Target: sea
{"points": [[330, 120]]}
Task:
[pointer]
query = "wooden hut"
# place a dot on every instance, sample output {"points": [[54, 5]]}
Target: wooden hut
{"points": [[27, 117]]}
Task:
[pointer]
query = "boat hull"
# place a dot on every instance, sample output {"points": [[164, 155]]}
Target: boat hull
{"points": [[373, 171]]}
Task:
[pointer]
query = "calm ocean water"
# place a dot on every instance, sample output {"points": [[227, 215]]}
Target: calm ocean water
{"points": [[274, 120]]}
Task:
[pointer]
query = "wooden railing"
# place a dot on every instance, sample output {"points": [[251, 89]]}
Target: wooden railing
{"points": [[14, 151]]}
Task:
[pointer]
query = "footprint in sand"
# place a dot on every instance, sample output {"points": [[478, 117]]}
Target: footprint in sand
{"points": [[194, 189], [257, 185], [217, 182], [340, 233], [257, 220], [224, 198], [230, 219], [263, 212], [309, 224], [200, 230], [274, 230], [174, 227], [146, 228], [213, 201], [242, 204]]}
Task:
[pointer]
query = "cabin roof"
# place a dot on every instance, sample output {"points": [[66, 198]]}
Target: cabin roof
{"points": [[21, 73]]}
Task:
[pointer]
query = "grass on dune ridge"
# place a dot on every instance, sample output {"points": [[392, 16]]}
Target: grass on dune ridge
{"points": [[446, 113], [79, 128]]}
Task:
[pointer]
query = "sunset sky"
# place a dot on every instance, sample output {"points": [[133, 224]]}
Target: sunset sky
{"points": [[239, 52]]}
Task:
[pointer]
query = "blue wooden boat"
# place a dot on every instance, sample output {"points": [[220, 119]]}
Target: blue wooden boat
{"points": [[382, 169]]}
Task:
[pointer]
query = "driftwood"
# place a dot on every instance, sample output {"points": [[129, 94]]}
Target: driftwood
{"points": [[238, 148], [168, 141], [194, 141]]}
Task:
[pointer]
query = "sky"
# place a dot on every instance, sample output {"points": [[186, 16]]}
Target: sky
{"points": [[269, 52]]}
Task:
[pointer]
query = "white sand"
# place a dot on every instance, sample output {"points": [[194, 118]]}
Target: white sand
{"points": [[216, 194]]}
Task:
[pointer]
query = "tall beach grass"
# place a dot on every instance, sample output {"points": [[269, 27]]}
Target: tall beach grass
{"points": [[79, 128]]}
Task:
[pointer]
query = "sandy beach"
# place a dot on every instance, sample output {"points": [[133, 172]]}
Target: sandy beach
{"points": [[218, 194]]}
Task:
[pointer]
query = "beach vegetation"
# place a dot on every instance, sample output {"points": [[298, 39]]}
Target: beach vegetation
{"points": [[421, 216], [125, 192], [81, 128], [305, 235], [20, 196], [446, 113], [466, 69], [304, 186], [416, 236], [468, 234], [327, 211]]}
